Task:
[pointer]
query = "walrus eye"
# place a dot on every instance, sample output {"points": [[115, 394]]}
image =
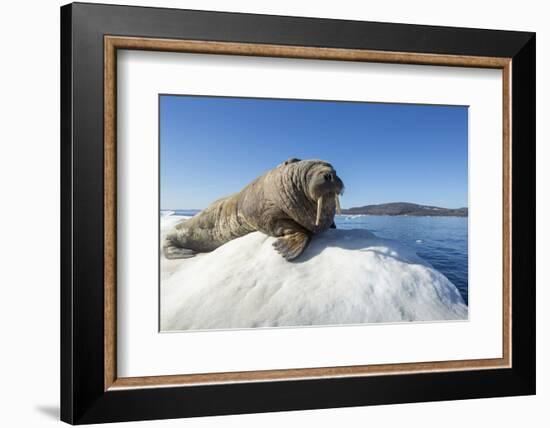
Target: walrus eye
{"points": [[328, 176]]}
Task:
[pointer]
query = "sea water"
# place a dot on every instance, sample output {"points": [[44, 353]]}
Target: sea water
{"points": [[442, 241]]}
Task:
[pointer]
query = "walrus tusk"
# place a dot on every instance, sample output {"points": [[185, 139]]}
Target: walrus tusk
{"points": [[337, 201], [319, 207]]}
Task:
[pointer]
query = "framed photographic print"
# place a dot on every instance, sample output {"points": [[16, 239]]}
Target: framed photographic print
{"points": [[264, 213]]}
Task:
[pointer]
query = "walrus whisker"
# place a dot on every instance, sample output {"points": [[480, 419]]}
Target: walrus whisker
{"points": [[319, 207], [337, 201]]}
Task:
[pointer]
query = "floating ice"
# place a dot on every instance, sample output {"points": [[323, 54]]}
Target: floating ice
{"points": [[343, 277]]}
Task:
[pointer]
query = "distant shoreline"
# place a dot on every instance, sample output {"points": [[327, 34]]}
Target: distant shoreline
{"points": [[398, 215], [406, 209]]}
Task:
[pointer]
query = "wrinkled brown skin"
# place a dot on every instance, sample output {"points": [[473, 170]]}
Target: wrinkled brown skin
{"points": [[281, 203]]}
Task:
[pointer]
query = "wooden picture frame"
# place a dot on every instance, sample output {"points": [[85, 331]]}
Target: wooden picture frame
{"points": [[91, 390]]}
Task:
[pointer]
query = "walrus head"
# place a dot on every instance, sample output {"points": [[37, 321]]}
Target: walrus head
{"points": [[321, 185], [324, 186]]}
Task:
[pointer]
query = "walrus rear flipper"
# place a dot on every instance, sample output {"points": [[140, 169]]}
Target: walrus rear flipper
{"points": [[172, 252]]}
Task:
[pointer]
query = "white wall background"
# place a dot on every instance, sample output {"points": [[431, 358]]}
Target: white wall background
{"points": [[29, 218]]}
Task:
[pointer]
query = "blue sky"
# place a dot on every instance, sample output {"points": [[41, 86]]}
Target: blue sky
{"points": [[213, 146]]}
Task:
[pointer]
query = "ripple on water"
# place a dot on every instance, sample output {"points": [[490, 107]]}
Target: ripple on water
{"points": [[443, 241]]}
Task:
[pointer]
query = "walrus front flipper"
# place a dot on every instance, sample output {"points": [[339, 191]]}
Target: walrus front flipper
{"points": [[292, 245]]}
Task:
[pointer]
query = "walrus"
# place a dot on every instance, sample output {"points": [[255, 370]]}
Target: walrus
{"points": [[291, 202]]}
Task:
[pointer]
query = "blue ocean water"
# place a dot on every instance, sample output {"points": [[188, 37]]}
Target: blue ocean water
{"points": [[442, 241]]}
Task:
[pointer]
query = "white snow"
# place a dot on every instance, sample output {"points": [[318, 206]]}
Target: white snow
{"points": [[344, 277]]}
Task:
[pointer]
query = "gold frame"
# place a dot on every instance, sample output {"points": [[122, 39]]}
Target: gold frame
{"points": [[113, 43]]}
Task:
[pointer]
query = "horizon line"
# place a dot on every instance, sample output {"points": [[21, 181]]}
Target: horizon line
{"points": [[358, 206]]}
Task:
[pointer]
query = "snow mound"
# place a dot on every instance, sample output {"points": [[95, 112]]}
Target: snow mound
{"points": [[343, 277]]}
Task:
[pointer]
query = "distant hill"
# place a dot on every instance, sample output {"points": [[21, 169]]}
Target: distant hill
{"points": [[406, 208]]}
